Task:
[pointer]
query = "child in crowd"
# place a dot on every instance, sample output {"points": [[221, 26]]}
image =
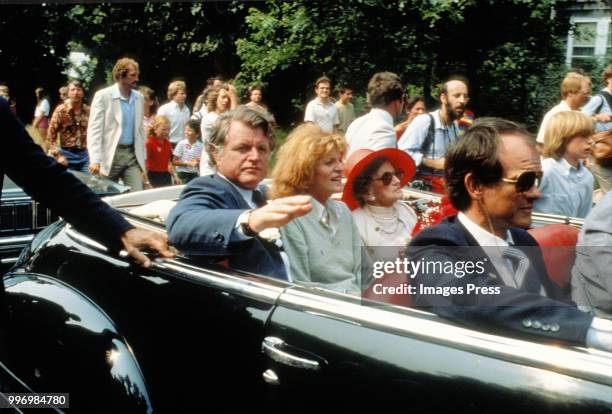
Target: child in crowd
{"points": [[567, 185], [159, 150], [187, 153]]}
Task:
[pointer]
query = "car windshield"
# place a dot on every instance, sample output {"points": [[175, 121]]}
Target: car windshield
{"points": [[97, 184]]}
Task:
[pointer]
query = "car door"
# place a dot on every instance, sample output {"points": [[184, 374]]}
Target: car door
{"points": [[195, 329], [331, 352]]}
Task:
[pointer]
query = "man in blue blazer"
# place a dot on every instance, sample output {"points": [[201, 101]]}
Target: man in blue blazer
{"points": [[492, 175], [222, 215]]}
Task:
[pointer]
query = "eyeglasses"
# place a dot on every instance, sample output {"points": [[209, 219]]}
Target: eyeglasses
{"points": [[387, 177], [525, 181]]}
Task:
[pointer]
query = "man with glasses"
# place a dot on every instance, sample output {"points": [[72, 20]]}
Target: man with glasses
{"points": [[492, 176], [575, 92], [374, 130]]}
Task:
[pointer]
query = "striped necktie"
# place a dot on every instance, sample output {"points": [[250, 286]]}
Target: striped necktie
{"points": [[518, 263]]}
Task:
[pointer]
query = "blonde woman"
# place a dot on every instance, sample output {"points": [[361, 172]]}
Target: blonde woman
{"points": [[218, 101], [567, 185], [324, 245]]}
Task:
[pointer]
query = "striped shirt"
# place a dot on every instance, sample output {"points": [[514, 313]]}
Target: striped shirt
{"points": [[186, 152]]}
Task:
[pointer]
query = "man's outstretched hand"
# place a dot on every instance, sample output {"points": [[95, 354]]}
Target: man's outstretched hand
{"points": [[135, 239]]}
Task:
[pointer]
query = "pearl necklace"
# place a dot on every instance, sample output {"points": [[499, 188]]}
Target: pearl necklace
{"points": [[384, 220]]}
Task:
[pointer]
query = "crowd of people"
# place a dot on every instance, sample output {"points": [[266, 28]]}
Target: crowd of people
{"points": [[494, 173]]}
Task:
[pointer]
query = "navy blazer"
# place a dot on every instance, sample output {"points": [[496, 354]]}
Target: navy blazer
{"points": [[519, 310], [50, 183], [203, 224]]}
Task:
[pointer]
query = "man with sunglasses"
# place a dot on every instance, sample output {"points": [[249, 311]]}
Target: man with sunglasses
{"points": [[492, 175]]}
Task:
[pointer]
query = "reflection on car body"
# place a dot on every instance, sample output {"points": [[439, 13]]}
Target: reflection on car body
{"points": [[21, 217], [185, 335]]}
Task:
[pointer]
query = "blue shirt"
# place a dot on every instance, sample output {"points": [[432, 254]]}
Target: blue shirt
{"points": [[591, 108], [412, 139], [566, 190], [128, 116]]}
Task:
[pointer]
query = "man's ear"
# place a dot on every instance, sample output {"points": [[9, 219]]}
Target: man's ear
{"points": [[444, 98], [473, 185], [214, 153]]}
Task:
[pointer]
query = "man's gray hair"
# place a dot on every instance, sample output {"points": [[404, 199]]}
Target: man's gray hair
{"points": [[251, 117]]}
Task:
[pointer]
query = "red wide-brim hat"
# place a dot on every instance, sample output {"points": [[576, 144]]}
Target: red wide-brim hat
{"points": [[360, 159]]}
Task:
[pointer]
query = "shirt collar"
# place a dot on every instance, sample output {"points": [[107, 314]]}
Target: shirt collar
{"points": [[567, 168], [326, 213], [175, 105], [483, 237], [116, 94], [246, 194]]}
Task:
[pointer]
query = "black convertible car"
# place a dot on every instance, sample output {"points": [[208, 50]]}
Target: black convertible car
{"points": [[182, 336], [21, 217]]}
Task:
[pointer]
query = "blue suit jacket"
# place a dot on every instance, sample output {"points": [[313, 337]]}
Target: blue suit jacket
{"points": [[519, 310], [203, 224]]}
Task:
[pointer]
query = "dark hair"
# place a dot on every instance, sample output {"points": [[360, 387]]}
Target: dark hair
{"points": [[384, 88], [253, 88], [477, 152], [77, 83], [344, 89], [412, 101], [194, 125], [150, 94], [253, 118], [363, 180]]}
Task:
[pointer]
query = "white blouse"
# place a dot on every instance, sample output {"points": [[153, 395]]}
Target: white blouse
{"points": [[385, 226]]}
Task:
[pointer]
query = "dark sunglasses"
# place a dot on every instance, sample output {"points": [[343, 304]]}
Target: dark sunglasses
{"points": [[387, 177], [525, 181]]}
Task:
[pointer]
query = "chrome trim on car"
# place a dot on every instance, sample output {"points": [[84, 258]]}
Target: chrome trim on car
{"points": [[222, 281], [592, 365], [239, 285], [16, 240], [274, 348]]}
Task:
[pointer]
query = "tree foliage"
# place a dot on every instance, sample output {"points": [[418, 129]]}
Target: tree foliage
{"points": [[509, 49]]}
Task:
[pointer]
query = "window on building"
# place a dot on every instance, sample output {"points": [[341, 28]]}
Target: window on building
{"points": [[588, 42]]}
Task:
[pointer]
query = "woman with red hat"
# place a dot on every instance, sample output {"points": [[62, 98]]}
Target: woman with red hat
{"points": [[323, 246], [373, 192]]}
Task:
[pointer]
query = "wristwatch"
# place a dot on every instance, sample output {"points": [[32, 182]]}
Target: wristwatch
{"points": [[243, 221]]}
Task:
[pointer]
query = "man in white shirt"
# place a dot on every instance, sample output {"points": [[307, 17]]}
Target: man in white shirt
{"points": [[575, 92], [176, 111], [321, 110], [492, 176], [374, 130]]}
